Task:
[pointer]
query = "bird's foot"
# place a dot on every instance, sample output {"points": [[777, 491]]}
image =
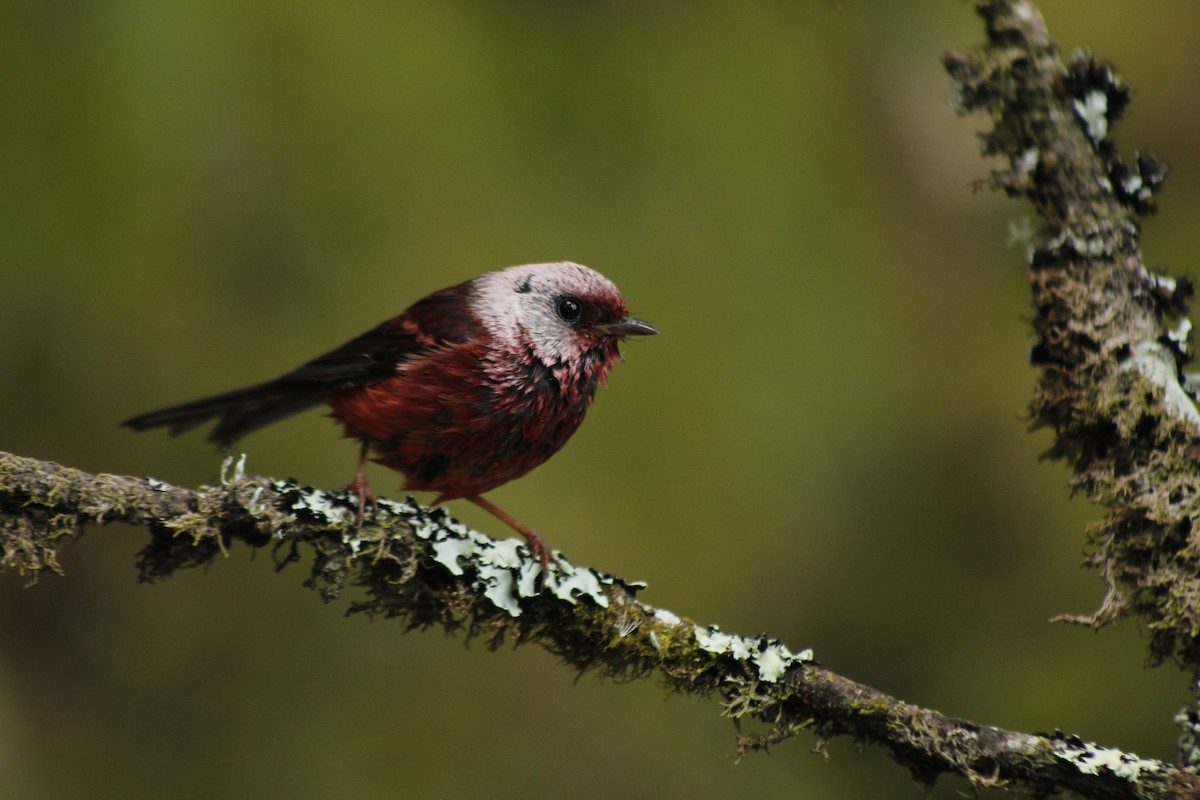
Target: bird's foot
{"points": [[359, 488], [539, 550], [537, 547]]}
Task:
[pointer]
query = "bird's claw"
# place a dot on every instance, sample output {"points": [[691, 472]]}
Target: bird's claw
{"points": [[539, 550], [359, 488]]}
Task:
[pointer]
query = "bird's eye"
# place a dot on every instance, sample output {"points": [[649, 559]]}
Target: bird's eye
{"points": [[569, 308]]}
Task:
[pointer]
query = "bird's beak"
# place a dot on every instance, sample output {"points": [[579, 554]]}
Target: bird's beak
{"points": [[629, 327]]}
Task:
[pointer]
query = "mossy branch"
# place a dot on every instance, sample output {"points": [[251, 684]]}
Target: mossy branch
{"points": [[1112, 335], [424, 569]]}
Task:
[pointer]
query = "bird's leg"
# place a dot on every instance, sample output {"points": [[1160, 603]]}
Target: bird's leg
{"points": [[537, 547], [359, 487]]}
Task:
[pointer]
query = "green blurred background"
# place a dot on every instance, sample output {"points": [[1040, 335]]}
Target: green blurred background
{"points": [[826, 443]]}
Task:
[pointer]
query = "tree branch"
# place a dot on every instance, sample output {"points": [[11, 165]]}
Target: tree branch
{"points": [[423, 568], [1111, 335]]}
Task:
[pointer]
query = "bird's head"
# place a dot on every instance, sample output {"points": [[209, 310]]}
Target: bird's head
{"points": [[557, 311]]}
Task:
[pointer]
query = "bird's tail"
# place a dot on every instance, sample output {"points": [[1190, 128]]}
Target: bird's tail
{"points": [[238, 412]]}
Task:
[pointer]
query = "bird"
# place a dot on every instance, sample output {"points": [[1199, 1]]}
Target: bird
{"points": [[469, 388]]}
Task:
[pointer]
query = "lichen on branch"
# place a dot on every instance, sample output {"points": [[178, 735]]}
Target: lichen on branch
{"points": [[1111, 335], [424, 569]]}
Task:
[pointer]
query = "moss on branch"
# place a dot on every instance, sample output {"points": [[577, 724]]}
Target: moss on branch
{"points": [[424, 569], [1111, 335]]}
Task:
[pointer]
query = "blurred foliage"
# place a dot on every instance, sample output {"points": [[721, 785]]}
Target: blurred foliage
{"points": [[826, 443]]}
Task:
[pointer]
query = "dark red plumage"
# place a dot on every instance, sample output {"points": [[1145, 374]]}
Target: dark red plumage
{"points": [[471, 387]]}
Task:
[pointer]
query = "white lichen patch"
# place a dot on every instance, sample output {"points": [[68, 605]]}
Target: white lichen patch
{"points": [[355, 543], [527, 578], [571, 583], [1093, 112], [1156, 363], [712, 640], [666, 617], [406, 509], [1188, 720], [771, 658], [448, 551], [157, 485], [1181, 334], [313, 503], [1091, 244], [1160, 282], [501, 590], [503, 570], [233, 469], [1090, 759], [772, 662], [506, 553], [1135, 186], [255, 504], [1020, 232], [1026, 162]]}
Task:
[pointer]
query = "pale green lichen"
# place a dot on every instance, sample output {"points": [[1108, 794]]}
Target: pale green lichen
{"points": [[772, 663], [771, 658], [666, 617], [571, 583], [712, 640], [1155, 362], [1093, 112], [233, 469], [505, 572], [1091, 759], [447, 552], [500, 588]]}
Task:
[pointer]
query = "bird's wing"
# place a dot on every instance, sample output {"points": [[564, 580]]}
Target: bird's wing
{"points": [[437, 320], [364, 359]]}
